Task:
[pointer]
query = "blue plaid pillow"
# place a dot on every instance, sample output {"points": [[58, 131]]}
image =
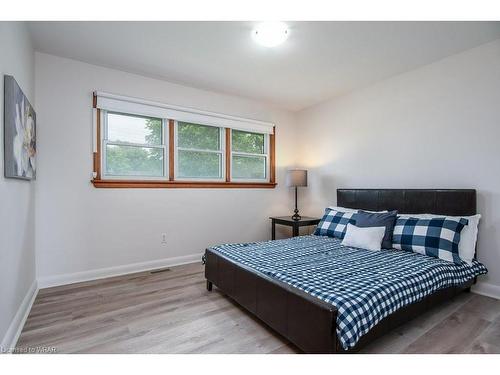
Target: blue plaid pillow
{"points": [[436, 237], [334, 223]]}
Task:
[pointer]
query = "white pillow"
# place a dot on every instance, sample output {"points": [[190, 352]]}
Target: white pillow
{"points": [[468, 236], [345, 209], [369, 238]]}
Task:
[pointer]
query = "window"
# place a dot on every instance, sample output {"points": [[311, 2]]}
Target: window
{"points": [[249, 158], [199, 152], [148, 144], [133, 146]]}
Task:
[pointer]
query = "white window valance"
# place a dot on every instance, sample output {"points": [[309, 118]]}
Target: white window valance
{"points": [[125, 104]]}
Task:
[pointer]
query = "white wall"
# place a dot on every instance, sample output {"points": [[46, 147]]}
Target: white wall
{"points": [[434, 127], [81, 228], [17, 225]]}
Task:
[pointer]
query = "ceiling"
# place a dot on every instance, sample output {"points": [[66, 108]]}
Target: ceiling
{"points": [[319, 60]]}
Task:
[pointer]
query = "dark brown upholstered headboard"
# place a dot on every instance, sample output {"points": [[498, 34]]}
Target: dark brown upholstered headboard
{"points": [[453, 202]]}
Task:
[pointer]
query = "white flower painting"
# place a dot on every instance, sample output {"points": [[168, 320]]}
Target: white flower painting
{"points": [[20, 132]]}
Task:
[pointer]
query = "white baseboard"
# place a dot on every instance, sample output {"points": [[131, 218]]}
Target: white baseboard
{"points": [[485, 289], [9, 341], [101, 273]]}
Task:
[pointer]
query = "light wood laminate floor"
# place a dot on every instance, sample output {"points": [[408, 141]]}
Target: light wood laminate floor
{"points": [[172, 312]]}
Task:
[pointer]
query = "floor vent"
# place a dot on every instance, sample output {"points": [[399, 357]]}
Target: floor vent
{"points": [[160, 270]]}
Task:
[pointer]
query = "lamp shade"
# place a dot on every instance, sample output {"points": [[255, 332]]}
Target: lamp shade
{"points": [[296, 177]]}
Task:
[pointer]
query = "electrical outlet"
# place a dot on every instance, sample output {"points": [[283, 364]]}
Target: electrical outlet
{"points": [[163, 238]]}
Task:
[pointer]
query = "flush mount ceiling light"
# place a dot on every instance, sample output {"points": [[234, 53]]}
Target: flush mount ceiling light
{"points": [[270, 34]]}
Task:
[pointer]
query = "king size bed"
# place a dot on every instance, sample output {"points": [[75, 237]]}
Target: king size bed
{"points": [[329, 298]]}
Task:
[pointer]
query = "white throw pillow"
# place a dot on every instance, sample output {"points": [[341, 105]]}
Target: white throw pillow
{"points": [[468, 236], [369, 238]]}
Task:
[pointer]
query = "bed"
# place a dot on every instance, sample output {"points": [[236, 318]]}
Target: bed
{"points": [[327, 298]]}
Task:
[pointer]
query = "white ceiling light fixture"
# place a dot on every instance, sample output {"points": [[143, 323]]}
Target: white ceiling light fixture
{"points": [[270, 34]]}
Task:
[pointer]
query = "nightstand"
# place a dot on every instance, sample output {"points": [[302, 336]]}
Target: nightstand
{"points": [[295, 224]]}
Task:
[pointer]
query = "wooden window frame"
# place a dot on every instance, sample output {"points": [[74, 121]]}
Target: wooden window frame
{"points": [[98, 182]]}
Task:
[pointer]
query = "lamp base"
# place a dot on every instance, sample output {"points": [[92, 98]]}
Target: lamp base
{"points": [[296, 215]]}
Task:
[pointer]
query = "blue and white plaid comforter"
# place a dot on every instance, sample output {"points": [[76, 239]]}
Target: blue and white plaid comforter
{"points": [[365, 286]]}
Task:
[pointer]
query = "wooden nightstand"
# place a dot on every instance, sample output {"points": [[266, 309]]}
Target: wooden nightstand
{"points": [[295, 224]]}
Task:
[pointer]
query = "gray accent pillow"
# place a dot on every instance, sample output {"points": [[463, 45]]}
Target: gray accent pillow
{"points": [[378, 219]]}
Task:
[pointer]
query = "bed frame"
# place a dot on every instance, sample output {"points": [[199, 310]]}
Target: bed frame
{"points": [[307, 321]]}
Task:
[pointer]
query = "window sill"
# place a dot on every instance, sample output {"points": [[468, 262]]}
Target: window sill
{"points": [[181, 184]]}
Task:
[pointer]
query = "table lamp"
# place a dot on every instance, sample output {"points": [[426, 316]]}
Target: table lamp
{"points": [[296, 178]]}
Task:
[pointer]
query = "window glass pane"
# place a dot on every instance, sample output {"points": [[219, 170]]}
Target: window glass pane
{"points": [[134, 161], [199, 164], [134, 129], [199, 137], [249, 167], [252, 143]]}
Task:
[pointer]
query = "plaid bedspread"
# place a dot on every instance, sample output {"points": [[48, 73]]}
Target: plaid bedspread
{"points": [[365, 286]]}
